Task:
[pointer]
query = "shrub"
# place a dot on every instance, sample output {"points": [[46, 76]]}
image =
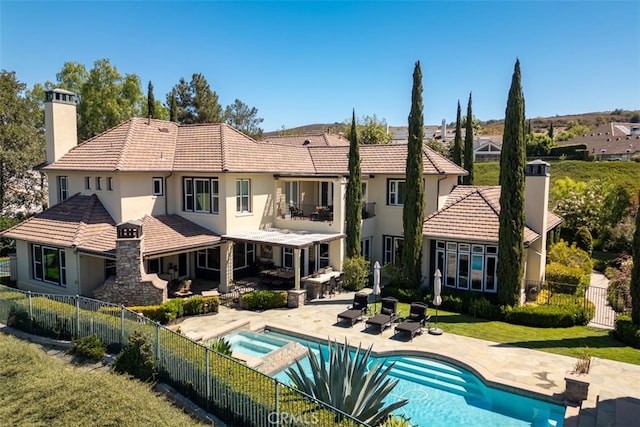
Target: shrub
{"points": [[264, 300], [548, 316], [136, 359], [559, 275], [356, 273], [452, 303], [483, 308], [220, 345], [210, 304], [627, 331], [401, 294], [89, 347], [193, 306], [174, 308], [570, 256], [157, 313], [584, 240]]}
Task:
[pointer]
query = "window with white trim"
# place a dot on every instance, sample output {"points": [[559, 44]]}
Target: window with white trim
{"points": [[63, 188], [365, 248], [243, 255], [467, 266], [209, 259], [110, 183], [87, 183], [200, 195], [243, 195], [292, 194], [98, 183], [323, 255], [287, 257], [157, 186], [392, 249], [395, 192], [49, 265]]}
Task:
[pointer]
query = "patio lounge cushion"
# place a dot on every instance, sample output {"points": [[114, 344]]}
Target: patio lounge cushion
{"points": [[355, 312], [413, 323], [387, 314]]}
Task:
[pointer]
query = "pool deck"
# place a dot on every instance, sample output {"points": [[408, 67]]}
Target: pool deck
{"points": [[537, 373]]}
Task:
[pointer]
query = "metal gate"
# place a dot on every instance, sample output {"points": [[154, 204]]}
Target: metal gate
{"points": [[604, 315]]}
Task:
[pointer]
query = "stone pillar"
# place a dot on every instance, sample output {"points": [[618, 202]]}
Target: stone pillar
{"points": [[296, 297], [129, 248]]}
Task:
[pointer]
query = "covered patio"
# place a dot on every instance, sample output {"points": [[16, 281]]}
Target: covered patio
{"points": [[295, 241]]}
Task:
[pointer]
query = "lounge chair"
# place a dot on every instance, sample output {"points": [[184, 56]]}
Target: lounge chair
{"points": [[355, 312], [388, 314], [414, 322]]}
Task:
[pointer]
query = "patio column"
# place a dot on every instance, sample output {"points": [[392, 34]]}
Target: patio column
{"points": [[226, 266], [296, 267]]}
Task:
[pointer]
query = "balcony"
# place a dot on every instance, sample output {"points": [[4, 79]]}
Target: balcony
{"points": [[305, 211]]}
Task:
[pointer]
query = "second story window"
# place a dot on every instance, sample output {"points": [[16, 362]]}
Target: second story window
{"points": [[243, 195], [87, 183], [98, 183], [395, 192], [157, 186], [200, 195], [63, 188], [110, 183]]}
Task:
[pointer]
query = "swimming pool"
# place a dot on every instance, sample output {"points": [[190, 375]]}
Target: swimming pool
{"points": [[442, 394], [253, 344]]}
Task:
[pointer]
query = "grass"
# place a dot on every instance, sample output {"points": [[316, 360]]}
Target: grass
{"points": [[624, 174], [42, 390], [565, 341]]}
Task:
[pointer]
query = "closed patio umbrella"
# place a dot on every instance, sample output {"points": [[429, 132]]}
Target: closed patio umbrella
{"points": [[376, 280], [437, 300]]}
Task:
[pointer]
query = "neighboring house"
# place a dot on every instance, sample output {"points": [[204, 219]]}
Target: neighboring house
{"points": [[612, 141], [308, 140], [400, 134], [487, 148], [150, 201]]}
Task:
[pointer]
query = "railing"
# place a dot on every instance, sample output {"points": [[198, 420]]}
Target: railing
{"points": [[368, 210], [222, 385], [306, 211]]}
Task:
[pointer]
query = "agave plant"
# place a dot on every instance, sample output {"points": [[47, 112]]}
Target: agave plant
{"points": [[346, 383], [220, 345]]}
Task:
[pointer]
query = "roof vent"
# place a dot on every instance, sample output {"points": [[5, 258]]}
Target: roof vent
{"points": [[618, 139], [306, 142], [603, 151], [608, 139]]}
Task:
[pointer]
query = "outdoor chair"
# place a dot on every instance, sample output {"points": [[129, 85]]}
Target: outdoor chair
{"points": [[355, 312], [413, 323], [388, 314]]}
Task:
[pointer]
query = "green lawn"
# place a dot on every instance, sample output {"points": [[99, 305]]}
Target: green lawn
{"points": [[42, 390], [565, 341]]}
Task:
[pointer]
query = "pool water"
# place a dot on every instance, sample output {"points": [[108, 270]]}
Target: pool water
{"points": [[442, 394], [253, 344]]}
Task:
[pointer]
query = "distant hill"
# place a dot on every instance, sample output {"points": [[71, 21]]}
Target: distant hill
{"points": [[493, 127]]}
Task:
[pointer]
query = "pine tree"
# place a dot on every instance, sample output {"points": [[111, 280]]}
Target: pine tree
{"points": [[512, 220], [151, 101], [354, 194], [635, 273], [551, 130], [468, 146], [173, 107], [456, 154], [413, 208]]}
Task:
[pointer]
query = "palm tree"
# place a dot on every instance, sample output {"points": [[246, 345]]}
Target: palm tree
{"points": [[346, 383]]}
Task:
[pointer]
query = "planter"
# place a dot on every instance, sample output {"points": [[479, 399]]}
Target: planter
{"points": [[577, 387]]}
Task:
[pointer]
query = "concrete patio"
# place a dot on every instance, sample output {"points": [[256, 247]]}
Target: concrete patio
{"points": [[616, 385]]}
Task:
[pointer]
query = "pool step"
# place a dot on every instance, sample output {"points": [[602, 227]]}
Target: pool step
{"points": [[438, 375]]}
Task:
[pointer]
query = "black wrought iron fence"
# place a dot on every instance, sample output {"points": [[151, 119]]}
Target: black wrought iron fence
{"points": [[225, 386]]}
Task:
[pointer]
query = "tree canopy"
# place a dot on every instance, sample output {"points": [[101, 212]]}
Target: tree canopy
{"points": [[370, 129], [22, 147], [195, 101], [510, 267], [244, 118], [354, 195], [468, 147], [414, 204]]}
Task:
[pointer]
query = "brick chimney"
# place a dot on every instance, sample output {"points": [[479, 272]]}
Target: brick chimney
{"points": [[61, 125], [536, 201]]}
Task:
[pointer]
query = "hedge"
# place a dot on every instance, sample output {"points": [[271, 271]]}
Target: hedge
{"points": [[548, 316], [264, 300], [627, 331]]}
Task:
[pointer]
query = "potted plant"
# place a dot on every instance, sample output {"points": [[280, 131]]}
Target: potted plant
{"points": [[577, 380]]}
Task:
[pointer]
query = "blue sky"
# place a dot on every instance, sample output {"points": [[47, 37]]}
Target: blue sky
{"points": [[313, 62]]}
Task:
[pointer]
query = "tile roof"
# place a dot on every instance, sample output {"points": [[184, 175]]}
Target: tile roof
{"points": [[72, 223], [613, 138], [472, 213], [143, 145], [309, 140], [83, 223]]}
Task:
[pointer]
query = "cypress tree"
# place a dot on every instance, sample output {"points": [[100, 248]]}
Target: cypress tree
{"points": [[635, 272], [354, 194], [551, 130], [468, 146], [512, 220], [151, 102], [457, 143], [413, 205]]}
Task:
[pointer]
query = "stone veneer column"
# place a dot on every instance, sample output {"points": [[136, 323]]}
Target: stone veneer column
{"points": [[129, 248], [226, 266]]}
